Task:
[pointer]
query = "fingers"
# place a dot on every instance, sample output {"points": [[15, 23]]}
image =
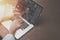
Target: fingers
{"points": [[17, 23]]}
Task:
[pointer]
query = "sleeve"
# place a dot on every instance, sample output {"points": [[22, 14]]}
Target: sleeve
{"points": [[9, 37]]}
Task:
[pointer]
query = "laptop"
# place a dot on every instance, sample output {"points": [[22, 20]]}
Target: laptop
{"points": [[30, 17]]}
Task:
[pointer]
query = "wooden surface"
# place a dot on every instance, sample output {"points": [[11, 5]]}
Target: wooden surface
{"points": [[49, 28]]}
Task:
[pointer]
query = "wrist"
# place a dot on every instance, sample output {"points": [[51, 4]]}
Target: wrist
{"points": [[12, 30]]}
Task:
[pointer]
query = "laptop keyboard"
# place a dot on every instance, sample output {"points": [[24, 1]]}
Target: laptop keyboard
{"points": [[24, 25]]}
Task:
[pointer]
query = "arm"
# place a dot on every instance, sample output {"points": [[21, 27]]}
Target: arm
{"points": [[15, 25]]}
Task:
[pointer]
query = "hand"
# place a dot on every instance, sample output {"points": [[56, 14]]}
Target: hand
{"points": [[15, 25]]}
